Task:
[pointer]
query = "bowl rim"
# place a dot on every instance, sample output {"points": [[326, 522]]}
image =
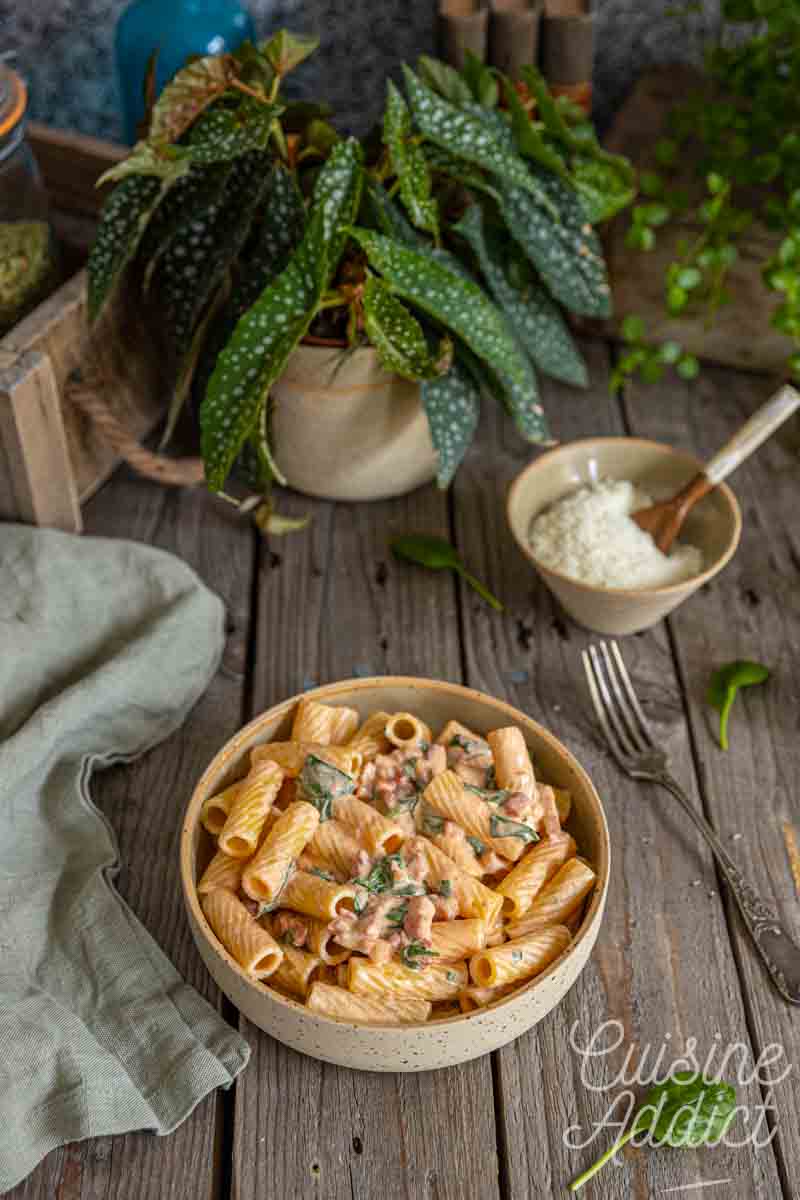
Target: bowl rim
{"points": [[665, 590], [232, 748]]}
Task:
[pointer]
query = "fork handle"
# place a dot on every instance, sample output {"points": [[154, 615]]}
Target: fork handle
{"points": [[780, 954]]}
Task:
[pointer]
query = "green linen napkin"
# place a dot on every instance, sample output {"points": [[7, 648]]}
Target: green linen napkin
{"points": [[104, 647]]}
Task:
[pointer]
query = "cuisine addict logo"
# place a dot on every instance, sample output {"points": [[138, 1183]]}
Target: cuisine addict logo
{"points": [[653, 1066]]}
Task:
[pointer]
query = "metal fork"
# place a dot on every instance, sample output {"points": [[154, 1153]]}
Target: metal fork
{"points": [[632, 744]]}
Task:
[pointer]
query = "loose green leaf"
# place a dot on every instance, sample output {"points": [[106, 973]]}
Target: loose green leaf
{"points": [[437, 554], [685, 1111], [471, 138], [268, 333], [458, 303], [452, 406], [397, 336], [284, 51], [535, 319], [725, 684], [228, 133], [567, 255], [125, 217], [444, 79], [409, 163], [188, 94]]}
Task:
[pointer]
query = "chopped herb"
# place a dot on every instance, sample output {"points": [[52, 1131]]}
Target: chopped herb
{"points": [[516, 956], [491, 777], [410, 768], [408, 889], [359, 903], [477, 845], [415, 953], [318, 871], [319, 783], [404, 804], [432, 823], [490, 795], [275, 902], [398, 915], [424, 747], [381, 877], [500, 827], [288, 938], [452, 977], [446, 889]]}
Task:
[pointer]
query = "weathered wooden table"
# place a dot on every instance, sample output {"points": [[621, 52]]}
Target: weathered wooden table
{"points": [[672, 963]]}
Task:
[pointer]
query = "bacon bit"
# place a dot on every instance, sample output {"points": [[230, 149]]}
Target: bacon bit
{"points": [[516, 805], [287, 922], [419, 918], [445, 907], [416, 865], [366, 784], [362, 864], [252, 906], [451, 829]]}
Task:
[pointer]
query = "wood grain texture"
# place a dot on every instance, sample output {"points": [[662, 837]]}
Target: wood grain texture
{"points": [[144, 803], [332, 604], [752, 610], [663, 965], [71, 164]]}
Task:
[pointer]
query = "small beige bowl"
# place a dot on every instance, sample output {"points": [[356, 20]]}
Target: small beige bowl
{"points": [[440, 1043], [714, 524]]}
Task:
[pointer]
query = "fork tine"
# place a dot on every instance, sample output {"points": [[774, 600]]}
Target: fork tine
{"points": [[624, 741], [623, 711], [599, 708], [635, 705]]}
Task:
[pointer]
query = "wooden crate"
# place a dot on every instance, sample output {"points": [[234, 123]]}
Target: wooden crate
{"points": [[51, 458]]}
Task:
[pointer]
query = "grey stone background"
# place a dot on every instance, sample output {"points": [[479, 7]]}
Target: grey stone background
{"points": [[65, 50]]}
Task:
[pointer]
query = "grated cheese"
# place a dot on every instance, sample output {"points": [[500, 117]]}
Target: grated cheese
{"points": [[589, 535]]}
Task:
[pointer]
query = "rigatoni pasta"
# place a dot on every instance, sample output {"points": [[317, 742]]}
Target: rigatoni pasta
{"points": [[398, 878]]}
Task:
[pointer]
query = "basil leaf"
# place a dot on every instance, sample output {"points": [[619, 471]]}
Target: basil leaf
{"points": [[432, 822], [445, 888], [477, 845], [501, 827], [490, 795], [725, 684], [398, 915], [319, 783], [381, 877], [322, 874], [414, 954]]}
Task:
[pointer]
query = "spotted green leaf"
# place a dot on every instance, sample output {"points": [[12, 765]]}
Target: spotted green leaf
{"points": [[224, 134], [471, 137], [567, 255], [386, 216], [408, 163], [269, 331], [534, 317], [276, 232], [443, 162], [528, 136], [125, 217], [188, 94], [604, 186], [458, 303], [452, 406], [397, 335], [444, 79], [167, 163], [284, 51], [196, 192]]}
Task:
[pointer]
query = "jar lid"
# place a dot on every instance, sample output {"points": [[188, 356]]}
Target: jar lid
{"points": [[13, 99]]}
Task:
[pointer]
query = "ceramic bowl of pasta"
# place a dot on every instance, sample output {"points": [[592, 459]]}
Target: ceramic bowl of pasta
{"points": [[394, 874]]}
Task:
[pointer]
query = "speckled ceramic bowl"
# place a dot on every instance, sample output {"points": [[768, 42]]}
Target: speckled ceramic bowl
{"points": [[714, 525], [439, 1043]]}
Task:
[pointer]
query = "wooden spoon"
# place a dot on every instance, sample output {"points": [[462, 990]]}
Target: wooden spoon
{"points": [[663, 521]]}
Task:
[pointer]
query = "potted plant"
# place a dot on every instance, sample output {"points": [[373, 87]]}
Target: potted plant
{"points": [[339, 305]]}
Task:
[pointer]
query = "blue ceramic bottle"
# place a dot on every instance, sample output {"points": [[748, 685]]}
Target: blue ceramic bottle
{"points": [[178, 28]]}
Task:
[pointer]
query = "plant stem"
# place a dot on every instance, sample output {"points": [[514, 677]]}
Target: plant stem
{"points": [[245, 87], [601, 1161], [482, 591]]}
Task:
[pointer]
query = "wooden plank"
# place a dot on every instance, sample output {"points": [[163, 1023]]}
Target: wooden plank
{"points": [[36, 482], [741, 334], [752, 610], [144, 802], [71, 164], [331, 605], [663, 965]]}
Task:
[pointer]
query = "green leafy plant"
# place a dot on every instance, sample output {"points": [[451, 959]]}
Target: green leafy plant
{"points": [[243, 223], [685, 1111], [724, 686], [740, 135], [438, 555]]}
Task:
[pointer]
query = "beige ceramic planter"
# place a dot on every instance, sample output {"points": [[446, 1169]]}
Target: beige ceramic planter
{"points": [[437, 1043], [345, 429]]}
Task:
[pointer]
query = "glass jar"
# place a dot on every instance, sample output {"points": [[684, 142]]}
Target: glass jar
{"points": [[27, 245], [176, 29]]}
